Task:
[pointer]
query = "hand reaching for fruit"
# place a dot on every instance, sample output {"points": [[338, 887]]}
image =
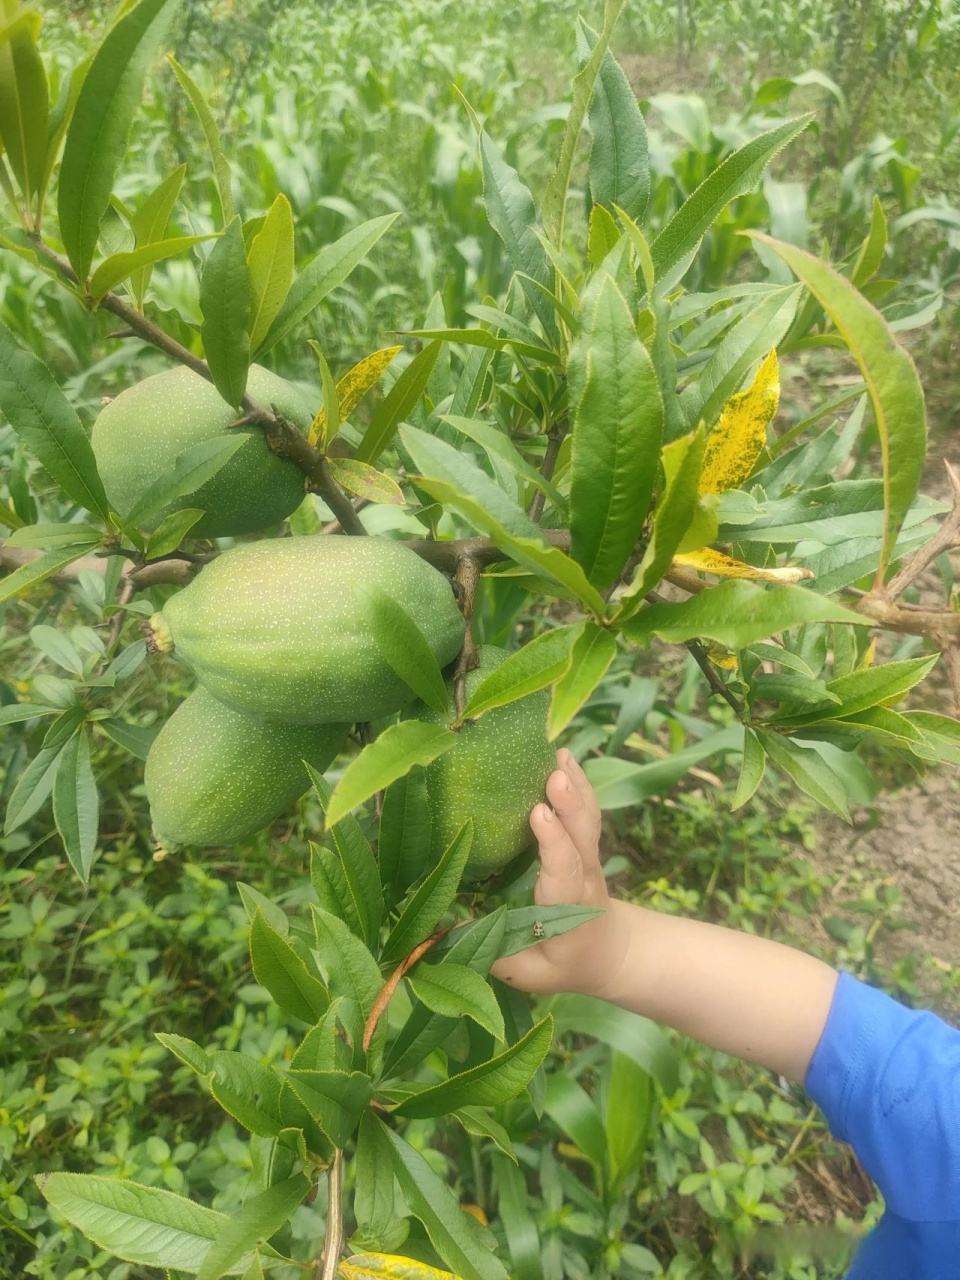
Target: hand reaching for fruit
{"points": [[588, 958]]}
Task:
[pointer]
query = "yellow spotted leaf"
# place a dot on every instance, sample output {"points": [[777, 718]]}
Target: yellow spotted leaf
{"points": [[354, 385], [737, 440], [388, 1266], [365, 481], [707, 560], [721, 656]]}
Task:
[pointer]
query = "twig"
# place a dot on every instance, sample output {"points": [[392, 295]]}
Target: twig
{"points": [[547, 467], [467, 576], [706, 666], [333, 1241], [116, 622], [947, 538], [334, 526], [391, 984]]}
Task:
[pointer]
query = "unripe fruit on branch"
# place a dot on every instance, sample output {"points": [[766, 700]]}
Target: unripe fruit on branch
{"points": [[138, 435], [274, 628], [214, 775], [495, 774]]}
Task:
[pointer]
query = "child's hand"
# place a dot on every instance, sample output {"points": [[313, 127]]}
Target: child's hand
{"points": [[587, 958]]}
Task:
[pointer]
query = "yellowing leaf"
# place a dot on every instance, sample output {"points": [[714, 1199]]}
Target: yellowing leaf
{"points": [[721, 657], [723, 566], [366, 481], [384, 1266], [354, 385], [475, 1211], [737, 440]]}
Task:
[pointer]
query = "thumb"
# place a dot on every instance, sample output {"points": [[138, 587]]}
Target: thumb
{"points": [[561, 868]]}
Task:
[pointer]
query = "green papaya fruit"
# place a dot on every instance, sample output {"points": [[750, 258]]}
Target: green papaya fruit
{"points": [[214, 775], [495, 774], [137, 437], [273, 628]]}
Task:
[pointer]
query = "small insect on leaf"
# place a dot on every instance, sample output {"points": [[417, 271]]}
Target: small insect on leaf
{"points": [[736, 442]]}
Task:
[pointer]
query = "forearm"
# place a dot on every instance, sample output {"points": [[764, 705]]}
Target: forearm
{"points": [[744, 995]]}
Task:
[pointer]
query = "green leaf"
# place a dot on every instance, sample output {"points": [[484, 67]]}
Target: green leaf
{"points": [[97, 136], [391, 755], [188, 1051], [132, 737], [891, 379], [520, 932], [141, 1225], [533, 667], [271, 262], [191, 469], [519, 1224], [17, 712], [398, 403], [863, 689], [54, 645], [48, 425], [402, 645], [374, 1194], [366, 481], [53, 535], [350, 969], [739, 173], [480, 1124], [149, 225], [674, 512], [457, 1237], [115, 269], [171, 531], [335, 1100], [278, 968], [512, 214], [76, 805], [555, 196], [34, 784], [807, 769], [405, 829], [751, 769], [225, 303], [620, 783], [619, 163], [487, 1085], [637, 1037], [247, 1090], [457, 992], [531, 552], [736, 614], [329, 268], [576, 1113], [24, 102], [221, 169], [332, 890], [593, 651], [252, 1225], [361, 878], [497, 443], [617, 430], [870, 254], [326, 422], [431, 900]]}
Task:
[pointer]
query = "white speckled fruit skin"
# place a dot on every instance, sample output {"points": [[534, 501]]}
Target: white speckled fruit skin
{"points": [[215, 776], [495, 774], [137, 437], [273, 628]]}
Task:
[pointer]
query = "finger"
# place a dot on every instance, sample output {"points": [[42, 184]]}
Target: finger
{"points": [[561, 870], [528, 970], [576, 805]]}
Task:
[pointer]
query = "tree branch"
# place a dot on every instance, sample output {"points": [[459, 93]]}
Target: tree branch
{"points": [[947, 538], [329, 1264], [547, 467], [714, 680], [467, 577]]}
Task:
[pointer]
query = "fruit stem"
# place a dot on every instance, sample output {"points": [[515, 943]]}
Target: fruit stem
{"points": [[467, 576]]}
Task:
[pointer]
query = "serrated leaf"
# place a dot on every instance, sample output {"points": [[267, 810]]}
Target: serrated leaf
{"points": [[35, 782], [621, 783], [374, 1196], [489, 1084], [431, 899], [870, 254], [252, 1225], [97, 136], [330, 267], [119, 266], [221, 169], [366, 481], [132, 737], [457, 992], [171, 531], [334, 1099], [24, 101], [278, 969], [398, 403], [497, 443], [270, 263], [403, 646], [457, 1237], [332, 890], [739, 436], [619, 165], [555, 920], [737, 613], [593, 651], [188, 1051], [392, 754], [617, 432], [538, 664], [225, 303], [807, 769], [891, 379], [149, 225], [352, 387], [350, 969], [48, 424], [737, 174], [360, 873], [191, 469], [638, 1038], [142, 1225], [752, 768], [860, 690], [247, 1090], [76, 804]]}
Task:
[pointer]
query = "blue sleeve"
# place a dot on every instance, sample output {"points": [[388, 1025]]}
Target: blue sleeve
{"points": [[888, 1081]]}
